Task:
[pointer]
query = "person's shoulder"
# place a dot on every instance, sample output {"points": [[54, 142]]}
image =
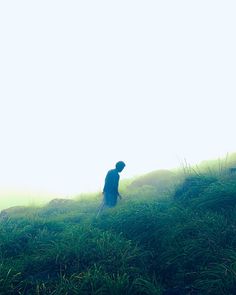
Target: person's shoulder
{"points": [[112, 172]]}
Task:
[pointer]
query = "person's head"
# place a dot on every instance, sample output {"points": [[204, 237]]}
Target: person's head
{"points": [[120, 166]]}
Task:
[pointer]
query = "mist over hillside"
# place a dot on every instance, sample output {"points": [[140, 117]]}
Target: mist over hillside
{"points": [[172, 233], [157, 181]]}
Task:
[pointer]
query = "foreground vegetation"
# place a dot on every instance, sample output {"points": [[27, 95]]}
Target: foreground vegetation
{"points": [[174, 236]]}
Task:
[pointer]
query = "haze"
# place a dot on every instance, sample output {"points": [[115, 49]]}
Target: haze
{"points": [[84, 84]]}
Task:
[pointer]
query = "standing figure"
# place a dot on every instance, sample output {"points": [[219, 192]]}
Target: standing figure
{"points": [[110, 190]]}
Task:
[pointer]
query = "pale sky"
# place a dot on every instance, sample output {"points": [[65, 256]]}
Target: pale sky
{"points": [[84, 84]]}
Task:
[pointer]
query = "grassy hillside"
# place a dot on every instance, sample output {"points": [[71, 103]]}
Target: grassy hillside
{"points": [[175, 236], [9, 197]]}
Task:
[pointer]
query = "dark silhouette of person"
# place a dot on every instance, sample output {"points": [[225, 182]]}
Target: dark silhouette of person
{"points": [[110, 190]]}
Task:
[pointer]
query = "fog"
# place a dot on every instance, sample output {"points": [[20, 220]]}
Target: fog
{"points": [[84, 84]]}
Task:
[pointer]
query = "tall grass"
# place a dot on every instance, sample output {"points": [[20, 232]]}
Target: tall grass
{"points": [[181, 240]]}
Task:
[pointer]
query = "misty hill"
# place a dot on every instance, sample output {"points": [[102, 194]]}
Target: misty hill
{"points": [[160, 181], [158, 240], [154, 178]]}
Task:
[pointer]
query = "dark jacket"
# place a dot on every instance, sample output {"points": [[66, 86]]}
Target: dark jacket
{"points": [[111, 182]]}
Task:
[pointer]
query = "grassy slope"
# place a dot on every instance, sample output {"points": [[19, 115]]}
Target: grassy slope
{"points": [[9, 198], [181, 238]]}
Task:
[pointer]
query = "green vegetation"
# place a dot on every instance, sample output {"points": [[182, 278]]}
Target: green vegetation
{"points": [[177, 235], [9, 198]]}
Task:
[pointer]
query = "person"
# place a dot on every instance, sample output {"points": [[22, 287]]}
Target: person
{"points": [[110, 190]]}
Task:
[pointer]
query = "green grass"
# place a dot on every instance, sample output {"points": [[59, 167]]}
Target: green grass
{"points": [[178, 236]]}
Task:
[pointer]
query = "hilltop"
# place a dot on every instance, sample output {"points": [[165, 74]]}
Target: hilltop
{"points": [[173, 233]]}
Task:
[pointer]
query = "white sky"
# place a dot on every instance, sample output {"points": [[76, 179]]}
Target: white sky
{"points": [[84, 84]]}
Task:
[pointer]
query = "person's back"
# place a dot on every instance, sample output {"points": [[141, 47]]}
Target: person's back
{"points": [[110, 190], [111, 182]]}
